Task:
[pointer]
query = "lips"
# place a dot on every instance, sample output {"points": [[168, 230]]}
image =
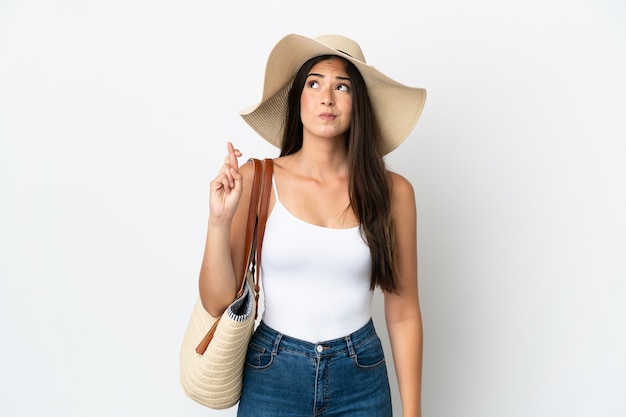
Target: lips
{"points": [[327, 116]]}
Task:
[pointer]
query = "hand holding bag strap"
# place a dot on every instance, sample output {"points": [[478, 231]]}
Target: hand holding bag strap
{"points": [[266, 191], [248, 254]]}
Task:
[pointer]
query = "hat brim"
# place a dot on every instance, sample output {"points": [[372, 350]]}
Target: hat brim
{"points": [[396, 107]]}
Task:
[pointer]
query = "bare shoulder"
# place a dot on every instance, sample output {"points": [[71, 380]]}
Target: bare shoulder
{"points": [[403, 206], [247, 172], [247, 168], [283, 168], [401, 190], [283, 162]]}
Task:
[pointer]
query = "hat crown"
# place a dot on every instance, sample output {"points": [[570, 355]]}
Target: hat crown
{"points": [[343, 45]]}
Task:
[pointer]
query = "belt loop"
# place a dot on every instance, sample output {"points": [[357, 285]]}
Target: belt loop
{"points": [[277, 340], [351, 351]]}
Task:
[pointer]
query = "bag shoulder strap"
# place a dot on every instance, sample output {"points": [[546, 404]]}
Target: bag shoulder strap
{"points": [[264, 202], [251, 225]]}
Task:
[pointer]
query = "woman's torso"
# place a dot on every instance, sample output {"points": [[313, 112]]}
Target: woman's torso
{"points": [[316, 280]]}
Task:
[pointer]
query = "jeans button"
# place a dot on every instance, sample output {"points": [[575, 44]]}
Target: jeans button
{"points": [[319, 348]]}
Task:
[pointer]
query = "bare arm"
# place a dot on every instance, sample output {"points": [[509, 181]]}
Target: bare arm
{"points": [[402, 310], [222, 264]]}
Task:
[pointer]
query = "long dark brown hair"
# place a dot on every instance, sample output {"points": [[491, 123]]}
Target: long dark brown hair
{"points": [[369, 183]]}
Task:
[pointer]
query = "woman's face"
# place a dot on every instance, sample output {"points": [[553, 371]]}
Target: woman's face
{"points": [[326, 100]]}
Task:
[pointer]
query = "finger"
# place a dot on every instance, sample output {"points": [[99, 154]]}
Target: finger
{"points": [[233, 154], [231, 148], [227, 173], [217, 185], [236, 179], [227, 182]]}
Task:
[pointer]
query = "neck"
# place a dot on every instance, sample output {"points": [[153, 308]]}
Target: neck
{"points": [[323, 158]]}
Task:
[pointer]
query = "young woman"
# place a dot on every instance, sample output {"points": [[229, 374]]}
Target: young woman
{"points": [[340, 225]]}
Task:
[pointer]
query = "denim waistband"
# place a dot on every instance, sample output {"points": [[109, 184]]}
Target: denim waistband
{"points": [[329, 347]]}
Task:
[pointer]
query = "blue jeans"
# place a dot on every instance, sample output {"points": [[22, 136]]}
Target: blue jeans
{"points": [[289, 377]]}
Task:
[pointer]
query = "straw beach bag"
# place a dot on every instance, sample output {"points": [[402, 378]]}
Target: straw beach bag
{"points": [[213, 351]]}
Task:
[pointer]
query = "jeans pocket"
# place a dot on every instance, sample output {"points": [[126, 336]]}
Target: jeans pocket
{"points": [[370, 354], [258, 357]]}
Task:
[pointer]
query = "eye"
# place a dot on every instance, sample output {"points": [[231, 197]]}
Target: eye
{"points": [[343, 87], [312, 84]]}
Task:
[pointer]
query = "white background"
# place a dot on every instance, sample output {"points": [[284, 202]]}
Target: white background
{"points": [[113, 120]]}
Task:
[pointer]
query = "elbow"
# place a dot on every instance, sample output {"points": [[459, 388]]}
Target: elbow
{"points": [[215, 312], [212, 308], [215, 298]]}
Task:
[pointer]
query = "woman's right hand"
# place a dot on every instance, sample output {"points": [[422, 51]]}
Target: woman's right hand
{"points": [[226, 188]]}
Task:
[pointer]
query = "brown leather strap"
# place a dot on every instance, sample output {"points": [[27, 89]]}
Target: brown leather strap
{"points": [[266, 192], [252, 220]]}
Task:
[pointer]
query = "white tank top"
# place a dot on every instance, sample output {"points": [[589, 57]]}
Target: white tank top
{"points": [[316, 280]]}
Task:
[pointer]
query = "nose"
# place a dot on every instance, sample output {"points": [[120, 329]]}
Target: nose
{"points": [[327, 97]]}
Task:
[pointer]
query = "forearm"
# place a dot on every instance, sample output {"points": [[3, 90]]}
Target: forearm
{"points": [[217, 283], [407, 346]]}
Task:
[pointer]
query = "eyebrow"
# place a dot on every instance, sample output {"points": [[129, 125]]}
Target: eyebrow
{"points": [[315, 74]]}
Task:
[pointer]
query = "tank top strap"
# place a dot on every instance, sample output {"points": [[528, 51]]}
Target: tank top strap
{"points": [[275, 189]]}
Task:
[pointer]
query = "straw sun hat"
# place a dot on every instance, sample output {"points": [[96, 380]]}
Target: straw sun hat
{"points": [[396, 106]]}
